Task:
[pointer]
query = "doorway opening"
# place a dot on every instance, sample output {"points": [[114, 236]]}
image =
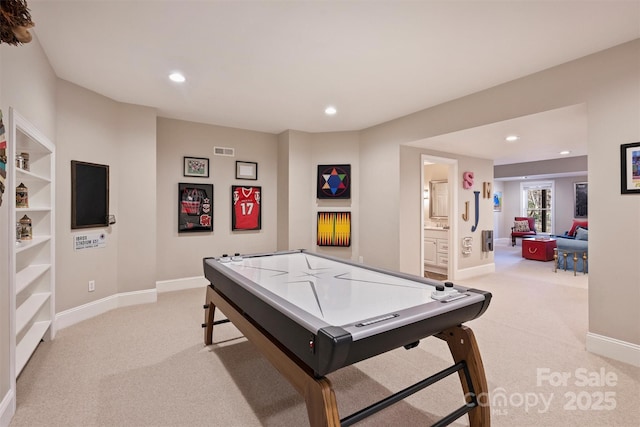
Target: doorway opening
{"points": [[438, 177]]}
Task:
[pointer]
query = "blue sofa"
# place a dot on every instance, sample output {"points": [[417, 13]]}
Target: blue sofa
{"points": [[577, 245]]}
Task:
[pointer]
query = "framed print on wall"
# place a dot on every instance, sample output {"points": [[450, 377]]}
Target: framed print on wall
{"points": [[246, 170], [334, 182], [246, 208], [630, 168], [196, 166], [580, 192], [497, 201], [334, 229], [195, 207]]}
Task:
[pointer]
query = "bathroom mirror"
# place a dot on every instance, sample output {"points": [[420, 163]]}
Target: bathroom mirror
{"points": [[439, 199]]}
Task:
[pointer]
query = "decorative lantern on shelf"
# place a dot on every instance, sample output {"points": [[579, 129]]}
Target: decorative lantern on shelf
{"points": [[22, 196], [26, 232], [25, 161]]}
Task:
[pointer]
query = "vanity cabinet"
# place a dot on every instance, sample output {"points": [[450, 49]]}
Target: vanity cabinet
{"points": [[436, 250]]}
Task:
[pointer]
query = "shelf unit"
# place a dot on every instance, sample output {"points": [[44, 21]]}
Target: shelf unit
{"points": [[31, 262]]}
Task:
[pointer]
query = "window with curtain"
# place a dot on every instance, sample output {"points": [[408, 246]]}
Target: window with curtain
{"points": [[537, 202]]}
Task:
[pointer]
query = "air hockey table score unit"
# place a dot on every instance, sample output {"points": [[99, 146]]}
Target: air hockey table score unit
{"points": [[311, 314]]}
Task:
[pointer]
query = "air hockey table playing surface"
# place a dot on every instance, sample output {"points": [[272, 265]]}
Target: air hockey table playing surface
{"points": [[331, 313]]}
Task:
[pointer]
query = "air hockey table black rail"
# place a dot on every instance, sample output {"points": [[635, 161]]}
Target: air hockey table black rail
{"points": [[304, 351]]}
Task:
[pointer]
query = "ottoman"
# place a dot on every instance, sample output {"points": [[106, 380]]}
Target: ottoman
{"points": [[540, 248]]}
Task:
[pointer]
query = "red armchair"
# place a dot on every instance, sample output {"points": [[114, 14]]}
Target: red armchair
{"points": [[522, 227]]}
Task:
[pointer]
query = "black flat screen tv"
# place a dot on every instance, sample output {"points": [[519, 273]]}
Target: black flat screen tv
{"points": [[89, 195]]}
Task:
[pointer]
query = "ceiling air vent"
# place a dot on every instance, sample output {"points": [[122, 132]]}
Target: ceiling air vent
{"points": [[224, 151]]}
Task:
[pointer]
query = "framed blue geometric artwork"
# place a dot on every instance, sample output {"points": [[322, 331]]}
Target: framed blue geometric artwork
{"points": [[334, 182]]}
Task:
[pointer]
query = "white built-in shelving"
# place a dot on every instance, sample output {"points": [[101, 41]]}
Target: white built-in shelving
{"points": [[32, 272]]}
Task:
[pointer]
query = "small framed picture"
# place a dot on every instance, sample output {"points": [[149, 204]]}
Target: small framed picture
{"points": [[630, 168], [196, 166], [246, 170]]}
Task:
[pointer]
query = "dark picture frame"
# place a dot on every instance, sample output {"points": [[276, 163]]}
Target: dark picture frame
{"points": [[246, 208], [580, 198], [246, 170], [630, 168], [195, 207], [334, 182], [195, 167], [89, 195], [334, 229]]}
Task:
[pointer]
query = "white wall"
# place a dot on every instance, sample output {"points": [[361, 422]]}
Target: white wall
{"points": [[96, 129], [609, 84], [27, 83]]}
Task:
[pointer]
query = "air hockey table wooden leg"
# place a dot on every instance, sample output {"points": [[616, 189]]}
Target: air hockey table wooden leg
{"points": [[464, 347], [318, 393]]}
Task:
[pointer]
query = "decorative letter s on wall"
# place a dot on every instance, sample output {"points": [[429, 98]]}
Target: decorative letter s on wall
{"points": [[467, 180]]}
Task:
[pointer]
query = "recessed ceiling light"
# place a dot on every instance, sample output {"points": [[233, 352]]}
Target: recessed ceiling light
{"points": [[177, 77], [330, 111], [565, 152], [512, 138]]}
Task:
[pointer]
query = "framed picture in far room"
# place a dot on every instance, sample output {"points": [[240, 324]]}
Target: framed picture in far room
{"points": [[246, 208], [196, 167], [580, 193], [195, 207]]}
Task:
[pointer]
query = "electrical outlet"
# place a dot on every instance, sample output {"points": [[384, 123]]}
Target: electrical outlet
{"points": [[92, 285]]}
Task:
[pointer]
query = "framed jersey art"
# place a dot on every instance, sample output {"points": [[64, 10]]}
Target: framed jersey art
{"points": [[195, 207], [246, 208]]}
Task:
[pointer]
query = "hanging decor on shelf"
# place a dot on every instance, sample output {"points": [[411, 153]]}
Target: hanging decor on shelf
{"points": [[26, 232], [22, 196]]}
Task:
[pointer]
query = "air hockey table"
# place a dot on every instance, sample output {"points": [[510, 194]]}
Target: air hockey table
{"points": [[311, 314]]}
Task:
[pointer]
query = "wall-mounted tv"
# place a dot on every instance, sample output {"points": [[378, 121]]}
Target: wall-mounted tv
{"points": [[89, 195]]}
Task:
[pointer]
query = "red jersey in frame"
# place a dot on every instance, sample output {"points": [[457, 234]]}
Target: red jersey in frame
{"points": [[246, 209]]}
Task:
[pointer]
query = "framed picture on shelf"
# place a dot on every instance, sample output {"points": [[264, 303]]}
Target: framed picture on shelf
{"points": [[195, 207], [246, 208], [334, 229], [246, 170], [630, 168], [196, 166], [334, 182]]}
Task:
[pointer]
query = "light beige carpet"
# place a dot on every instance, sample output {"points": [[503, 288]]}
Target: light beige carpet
{"points": [[147, 366]]}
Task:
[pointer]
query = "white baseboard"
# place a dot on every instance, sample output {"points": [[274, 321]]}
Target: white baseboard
{"points": [[87, 311], [181, 284], [614, 349], [471, 272], [7, 408]]}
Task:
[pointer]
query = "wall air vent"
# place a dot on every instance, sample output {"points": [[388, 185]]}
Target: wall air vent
{"points": [[224, 151]]}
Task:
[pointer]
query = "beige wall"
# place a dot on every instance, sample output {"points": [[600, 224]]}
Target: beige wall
{"points": [[410, 190], [179, 255], [27, 83], [92, 128], [335, 148], [609, 83]]}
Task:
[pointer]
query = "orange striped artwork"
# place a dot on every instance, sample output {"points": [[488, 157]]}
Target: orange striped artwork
{"points": [[334, 228]]}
